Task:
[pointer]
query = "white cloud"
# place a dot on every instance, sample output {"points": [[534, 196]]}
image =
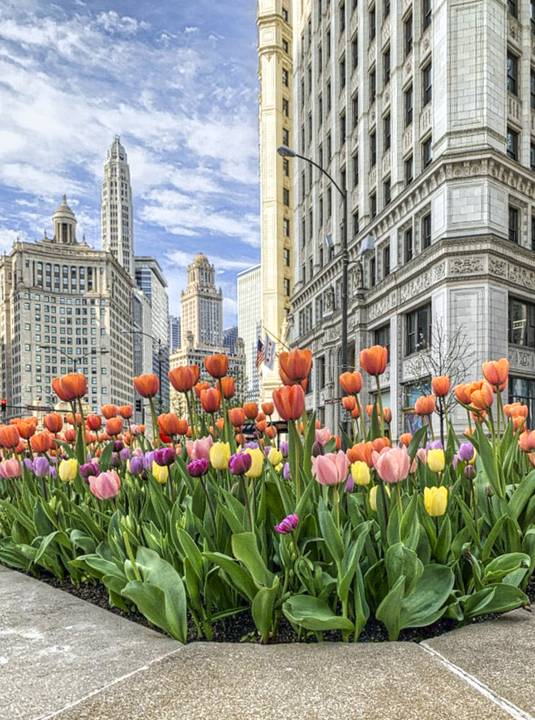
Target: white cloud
{"points": [[111, 21], [8, 237], [182, 259]]}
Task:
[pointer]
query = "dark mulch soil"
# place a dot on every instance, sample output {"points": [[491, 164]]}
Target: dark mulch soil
{"points": [[240, 628]]}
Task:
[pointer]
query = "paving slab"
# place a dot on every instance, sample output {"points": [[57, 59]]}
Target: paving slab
{"points": [[384, 681], [499, 653], [56, 649]]}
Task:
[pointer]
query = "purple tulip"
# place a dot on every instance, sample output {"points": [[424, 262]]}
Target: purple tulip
{"points": [[118, 446], [53, 472], [115, 460], [240, 463], [89, 468], [283, 447], [286, 471], [164, 456], [197, 468], [455, 461], [125, 454], [466, 451], [287, 525], [251, 445], [148, 459], [136, 465], [350, 483], [434, 445], [41, 466], [28, 464]]}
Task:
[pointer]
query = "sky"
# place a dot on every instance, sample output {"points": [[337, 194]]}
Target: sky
{"points": [[177, 80]]}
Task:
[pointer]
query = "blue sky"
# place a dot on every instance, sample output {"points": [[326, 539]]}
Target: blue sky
{"points": [[177, 80]]}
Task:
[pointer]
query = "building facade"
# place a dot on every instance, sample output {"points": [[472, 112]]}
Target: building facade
{"points": [[174, 333], [116, 210], [250, 326], [63, 307], [424, 112], [151, 282], [230, 336], [275, 48], [142, 348]]}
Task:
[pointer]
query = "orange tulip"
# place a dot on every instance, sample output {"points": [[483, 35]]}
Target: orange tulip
{"points": [[41, 442], [351, 382], [462, 393], [185, 377], [70, 435], [373, 360], [295, 366], [169, 424], [515, 409], [240, 439], [481, 396], [261, 426], [349, 403], [271, 432], [236, 417], [381, 442], [387, 415], [251, 410], [526, 441], [9, 436], [53, 422], [227, 386], [147, 385], [425, 405], [361, 451], [355, 413], [210, 400], [496, 373], [109, 411], [200, 386], [216, 365], [126, 411], [441, 385], [289, 401], [114, 426], [405, 439], [220, 423], [70, 387], [268, 408], [26, 427], [94, 422], [518, 421]]}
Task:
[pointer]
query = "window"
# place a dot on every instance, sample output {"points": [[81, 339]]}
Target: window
{"points": [[373, 85], [285, 77], [427, 12], [286, 197], [407, 244], [285, 107], [387, 191], [373, 149], [407, 35], [512, 143], [386, 66], [512, 73], [386, 260], [342, 14], [320, 372], [532, 15], [286, 227], [533, 231], [381, 336], [427, 84], [286, 46], [386, 131], [532, 88], [329, 97], [418, 330], [426, 231], [373, 205], [386, 8], [373, 274], [287, 287], [408, 170], [355, 163], [521, 322], [355, 223], [285, 14], [286, 167], [512, 7], [513, 223], [342, 128], [427, 153], [285, 136], [355, 110], [372, 20], [407, 101], [342, 72]]}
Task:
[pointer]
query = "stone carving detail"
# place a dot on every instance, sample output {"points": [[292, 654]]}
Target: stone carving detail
{"points": [[382, 306], [329, 299], [497, 267], [521, 276], [422, 282], [524, 359], [467, 265]]}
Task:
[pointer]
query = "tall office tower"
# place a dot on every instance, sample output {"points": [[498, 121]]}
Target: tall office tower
{"points": [[424, 112], [174, 333], [230, 336], [201, 323], [151, 282], [142, 348], [117, 223], [202, 306], [64, 306], [250, 326], [276, 198]]}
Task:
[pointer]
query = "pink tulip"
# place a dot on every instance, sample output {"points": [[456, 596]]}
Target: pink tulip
{"points": [[323, 435], [331, 469], [10, 468], [106, 485], [392, 464], [199, 449], [421, 454]]}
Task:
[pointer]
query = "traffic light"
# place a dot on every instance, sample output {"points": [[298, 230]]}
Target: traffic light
{"points": [[3, 406]]}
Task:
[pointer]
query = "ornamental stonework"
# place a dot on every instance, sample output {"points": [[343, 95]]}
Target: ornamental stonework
{"points": [[522, 359], [422, 282], [498, 267], [521, 276], [467, 265], [382, 306]]}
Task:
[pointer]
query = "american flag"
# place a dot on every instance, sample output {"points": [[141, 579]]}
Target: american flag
{"points": [[259, 353]]}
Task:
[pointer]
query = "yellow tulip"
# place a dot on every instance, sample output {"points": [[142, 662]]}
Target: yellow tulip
{"points": [[275, 456], [436, 460], [373, 496], [257, 464], [360, 472], [436, 500], [160, 473], [68, 470], [220, 455]]}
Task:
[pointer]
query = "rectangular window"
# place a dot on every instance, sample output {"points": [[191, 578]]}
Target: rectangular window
{"points": [[286, 255], [285, 14], [386, 191], [329, 96], [286, 46], [532, 15], [286, 197], [342, 128], [373, 85], [427, 152], [342, 17], [407, 101], [285, 136], [286, 167], [355, 223], [372, 20], [427, 12], [373, 273], [407, 243], [418, 330], [512, 7], [386, 8], [285, 77], [355, 110], [287, 287], [355, 51], [381, 336], [285, 107], [512, 143], [355, 162], [427, 84], [343, 72], [512, 73], [514, 223], [373, 205], [386, 260], [386, 66], [386, 131], [533, 232], [426, 231], [286, 227], [407, 35], [532, 156], [373, 149], [408, 170], [532, 88], [521, 322]]}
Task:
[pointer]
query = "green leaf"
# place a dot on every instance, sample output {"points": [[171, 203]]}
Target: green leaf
{"points": [[427, 601], [262, 609], [237, 576], [331, 535], [443, 545], [488, 459], [503, 565], [313, 613], [389, 610], [522, 494], [362, 609], [351, 560], [105, 458], [245, 549], [56, 536], [494, 599], [191, 552], [401, 560]]}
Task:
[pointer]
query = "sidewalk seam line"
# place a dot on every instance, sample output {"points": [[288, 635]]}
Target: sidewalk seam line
{"points": [[146, 666], [480, 687]]}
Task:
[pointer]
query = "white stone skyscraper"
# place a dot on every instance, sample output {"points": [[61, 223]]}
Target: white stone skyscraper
{"points": [[202, 306], [117, 225]]}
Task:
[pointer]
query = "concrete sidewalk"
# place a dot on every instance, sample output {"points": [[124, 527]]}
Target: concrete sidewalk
{"points": [[63, 658]]}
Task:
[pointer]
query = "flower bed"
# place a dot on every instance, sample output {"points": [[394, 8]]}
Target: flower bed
{"points": [[300, 534]]}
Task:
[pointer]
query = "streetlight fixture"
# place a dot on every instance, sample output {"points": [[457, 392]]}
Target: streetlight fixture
{"points": [[159, 341], [287, 152]]}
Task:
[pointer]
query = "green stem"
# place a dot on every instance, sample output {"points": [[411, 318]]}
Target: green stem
{"points": [[130, 554]]}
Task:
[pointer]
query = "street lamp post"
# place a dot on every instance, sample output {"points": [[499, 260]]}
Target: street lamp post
{"points": [[159, 341], [289, 153]]}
